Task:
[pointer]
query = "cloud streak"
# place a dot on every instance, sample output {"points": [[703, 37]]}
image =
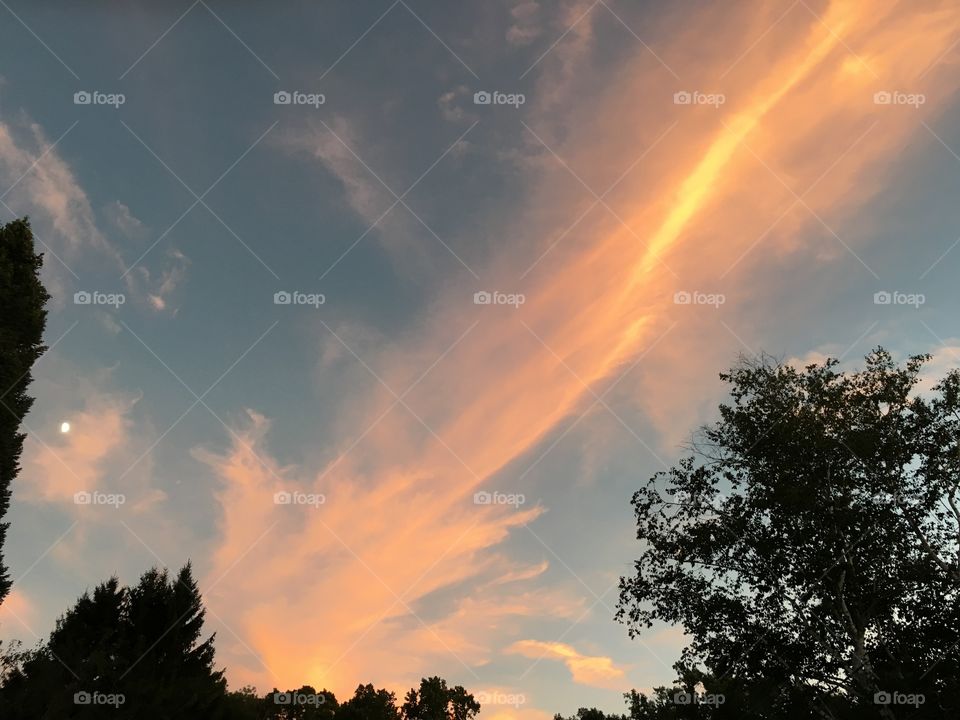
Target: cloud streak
{"points": [[597, 671], [628, 199]]}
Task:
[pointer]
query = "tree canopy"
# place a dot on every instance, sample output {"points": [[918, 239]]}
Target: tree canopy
{"points": [[23, 317], [137, 651], [809, 547], [435, 701]]}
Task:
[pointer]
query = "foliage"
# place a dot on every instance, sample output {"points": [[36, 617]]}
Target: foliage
{"points": [[435, 701], [810, 550], [23, 317], [133, 652]]}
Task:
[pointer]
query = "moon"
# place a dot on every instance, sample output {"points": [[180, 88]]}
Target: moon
{"points": [[64, 427]]}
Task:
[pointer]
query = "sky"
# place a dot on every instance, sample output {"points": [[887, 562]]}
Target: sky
{"points": [[378, 312]]}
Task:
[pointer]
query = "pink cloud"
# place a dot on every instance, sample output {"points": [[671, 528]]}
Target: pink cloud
{"points": [[597, 671], [715, 195]]}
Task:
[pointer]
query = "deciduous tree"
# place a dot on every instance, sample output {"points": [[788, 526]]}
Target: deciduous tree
{"points": [[810, 546]]}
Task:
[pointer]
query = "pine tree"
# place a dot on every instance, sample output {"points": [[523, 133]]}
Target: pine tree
{"points": [[169, 668], [23, 318], [140, 647]]}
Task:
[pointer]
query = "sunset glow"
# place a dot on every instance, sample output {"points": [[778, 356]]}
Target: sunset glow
{"points": [[387, 366]]}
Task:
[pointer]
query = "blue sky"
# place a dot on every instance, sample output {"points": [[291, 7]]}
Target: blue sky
{"points": [[796, 198]]}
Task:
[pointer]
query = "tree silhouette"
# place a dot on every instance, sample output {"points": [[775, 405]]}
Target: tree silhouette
{"points": [[811, 548], [305, 703], [23, 318], [244, 704], [435, 701], [589, 714], [368, 703], [82, 655], [169, 662], [123, 653]]}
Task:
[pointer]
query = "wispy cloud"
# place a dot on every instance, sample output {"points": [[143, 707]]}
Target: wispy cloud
{"points": [[38, 182], [341, 151], [402, 536], [697, 193], [597, 671]]}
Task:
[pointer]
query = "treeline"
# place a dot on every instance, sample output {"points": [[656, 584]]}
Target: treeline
{"points": [[138, 652]]}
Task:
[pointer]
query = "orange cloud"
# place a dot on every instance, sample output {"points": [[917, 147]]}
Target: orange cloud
{"points": [[64, 464], [597, 671], [368, 580], [376, 554], [100, 475], [18, 613]]}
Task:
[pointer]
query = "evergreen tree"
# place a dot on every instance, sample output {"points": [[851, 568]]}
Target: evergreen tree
{"points": [[167, 662], [23, 318], [82, 656], [122, 653]]}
